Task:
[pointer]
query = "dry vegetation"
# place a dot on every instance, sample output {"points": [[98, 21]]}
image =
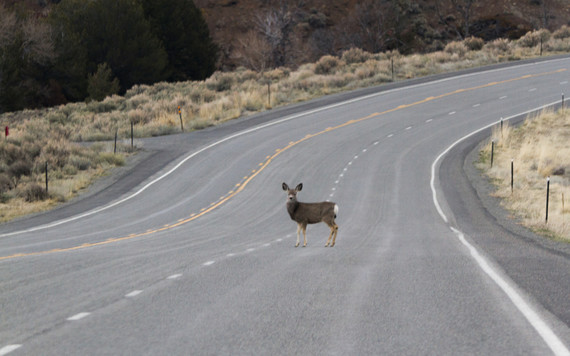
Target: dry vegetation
{"points": [[54, 135], [539, 149]]}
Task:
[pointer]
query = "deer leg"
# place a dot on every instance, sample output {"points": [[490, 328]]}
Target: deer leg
{"points": [[305, 234], [335, 233], [330, 236], [298, 234]]}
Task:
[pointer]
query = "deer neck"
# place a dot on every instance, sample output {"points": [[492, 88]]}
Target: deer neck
{"points": [[292, 208]]}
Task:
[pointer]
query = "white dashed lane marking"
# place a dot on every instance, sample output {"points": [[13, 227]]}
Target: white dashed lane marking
{"points": [[174, 276], [133, 293], [9, 348], [78, 316]]}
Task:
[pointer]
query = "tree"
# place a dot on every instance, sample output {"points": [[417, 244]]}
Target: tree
{"points": [[26, 53], [275, 26], [102, 83], [449, 10], [180, 26], [107, 31]]}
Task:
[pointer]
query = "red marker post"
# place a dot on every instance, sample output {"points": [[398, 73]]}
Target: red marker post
{"points": [[7, 131]]}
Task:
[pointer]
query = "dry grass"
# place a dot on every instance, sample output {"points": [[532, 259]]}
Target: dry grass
{"points": [[539, 149], [225, 96]]}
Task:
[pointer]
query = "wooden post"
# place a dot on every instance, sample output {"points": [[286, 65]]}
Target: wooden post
{"points": [[547, 195], [181, 123]]}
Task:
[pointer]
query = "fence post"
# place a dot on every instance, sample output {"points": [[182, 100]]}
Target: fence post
{"points": [[132, 143], [46, 177], [115, 148], [512, 175], [562, 101], [547, 194], [181, 123]]}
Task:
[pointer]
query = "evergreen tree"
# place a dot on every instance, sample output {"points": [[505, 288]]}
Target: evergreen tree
{"points": [[102, 83], [179, 24], [106, 31]]}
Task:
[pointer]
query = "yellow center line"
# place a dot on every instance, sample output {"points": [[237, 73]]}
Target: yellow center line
{"points": [[241, 186]]}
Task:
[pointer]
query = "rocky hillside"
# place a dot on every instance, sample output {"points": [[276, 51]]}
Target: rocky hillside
{"points": [[264, 33]]}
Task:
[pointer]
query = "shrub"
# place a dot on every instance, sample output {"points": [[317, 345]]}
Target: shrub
{"points": [[113, 159], [220, 81], [533, 38], [562, 32], [20, 168], [474, 43], [455, 47], [34, 192], [327, 64], [79, 162], [355, 55], [5, 183]]}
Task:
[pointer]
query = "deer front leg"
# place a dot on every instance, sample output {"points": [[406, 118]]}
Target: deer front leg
{"points": [[298, 233], [305, 234]]}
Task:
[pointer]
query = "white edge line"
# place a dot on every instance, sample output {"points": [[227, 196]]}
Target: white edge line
{"points": [[9, 348], [256, 128], [547, 334]]}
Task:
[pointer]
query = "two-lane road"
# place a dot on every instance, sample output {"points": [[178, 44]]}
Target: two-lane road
{"points": [[199, 258]]}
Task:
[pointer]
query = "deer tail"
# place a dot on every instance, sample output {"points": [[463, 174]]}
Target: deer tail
{"points": [[335, 210]]}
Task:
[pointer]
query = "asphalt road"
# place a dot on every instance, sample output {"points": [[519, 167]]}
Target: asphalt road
{"points": [[192, 251]]}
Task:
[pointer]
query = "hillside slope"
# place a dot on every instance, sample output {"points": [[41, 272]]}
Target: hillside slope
{"points": [[313, 28]]}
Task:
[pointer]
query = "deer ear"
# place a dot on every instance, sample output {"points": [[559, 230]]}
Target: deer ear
{"points": [[285, 186], [299, 187]]}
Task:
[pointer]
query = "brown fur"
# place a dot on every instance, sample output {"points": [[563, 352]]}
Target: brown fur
{"points": [[310, 213]]}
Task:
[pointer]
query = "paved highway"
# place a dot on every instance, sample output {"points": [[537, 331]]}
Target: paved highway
{"points": [[192, 251]]}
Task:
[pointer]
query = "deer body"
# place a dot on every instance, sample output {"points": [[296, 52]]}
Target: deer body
{"points": [[310, 213]]}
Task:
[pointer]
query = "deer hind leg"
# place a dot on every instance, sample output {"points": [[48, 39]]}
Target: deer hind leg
{"points": [[335, 229]]}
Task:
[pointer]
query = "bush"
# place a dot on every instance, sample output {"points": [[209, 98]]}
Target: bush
{"points": [[533, 38], [113, 159], [220, 81], [499, 45], [474, 43], [455, 47], [5, 183], [19, 169], [34, 192], [355, 55], [562, 32], [327, 64]]}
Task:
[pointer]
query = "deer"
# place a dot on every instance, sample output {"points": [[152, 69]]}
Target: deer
{"points": [[310, 213]]}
